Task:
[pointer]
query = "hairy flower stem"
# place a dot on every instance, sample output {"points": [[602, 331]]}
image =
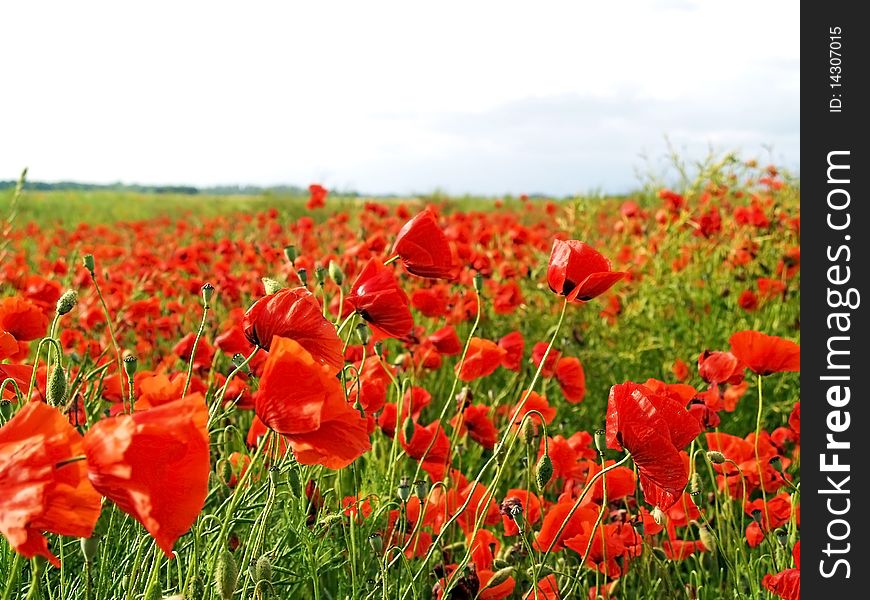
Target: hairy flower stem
{"points": [[199, 333], [111, 336], [758, 460]]}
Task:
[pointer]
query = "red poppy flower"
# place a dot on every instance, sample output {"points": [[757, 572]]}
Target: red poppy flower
{"points": [[533, 401], [294, 313], [446, 341], [303, 400], [571, 379], [317, 197], [530, 505], [478, 425], [377, 298], [20, 321], [578, 272], [765, 354], [554, 519], [424, 249], [435, 461], [538, 351], [653, 428], [513, 344], [546, 589], [482, 359], [720, 367], [786, 584], [38, 495], [154, 465]]}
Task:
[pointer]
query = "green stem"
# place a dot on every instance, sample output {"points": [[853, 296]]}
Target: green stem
{"points": [[111, 335], [199, 333], [12, 576]]}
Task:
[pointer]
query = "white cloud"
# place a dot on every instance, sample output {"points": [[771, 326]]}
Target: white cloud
{"points": [[389, 96]]}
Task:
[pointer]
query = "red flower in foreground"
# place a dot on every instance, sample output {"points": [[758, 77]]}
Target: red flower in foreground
{"points": [[304, 401], [424, 249], [296, 314], [786, 584], [154, 465], [378, 299], [20, 321], [38, 495], [653, 428], [578, 272], [765, 354]]}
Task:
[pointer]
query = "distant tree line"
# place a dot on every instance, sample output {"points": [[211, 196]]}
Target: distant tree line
{"points": [[218, 190]]}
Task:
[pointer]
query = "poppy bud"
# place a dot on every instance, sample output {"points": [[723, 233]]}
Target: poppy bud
{"points": [[706, 537], [500, 563], [376, 542], [290, 253], [499, 577], [270, 285], [529, 432], [499, 452], [295, 482], [56, 389], [543, 471], [363, 333], [273, 475], [404, 490], [303, 275], [320, 274], [130, 366], [695, 489], [421, 489], [225, 575], [66, 302], [478, 283], [600, 441], [238, 361], [207, 294], [224, 469], [335, 272], [89, 548], [782, 537], [717, 458], [379, 348], [408, 429], [658, 516], [88, 261], [263, 569], [659, 553]]}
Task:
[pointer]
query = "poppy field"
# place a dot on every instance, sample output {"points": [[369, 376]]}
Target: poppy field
{"points": [[331, 398]]}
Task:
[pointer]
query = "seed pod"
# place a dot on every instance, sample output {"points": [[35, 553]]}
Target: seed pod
{"points": [[320, 274], [290, 253], [717, 458], [130, 366], [421, 489], [207, 294], [376, 542], [88, 261], [239, 360], [270, 285], [543, 471], [363, 333], [303, 275], [782, 537], [404, 490], [56, 389], [66, 302], [225, 575], [90, 546], [776, 463], [335, 272], [600, 441], [478, 283]]}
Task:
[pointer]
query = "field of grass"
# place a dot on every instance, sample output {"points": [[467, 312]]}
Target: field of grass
{"points": [[717, 256]]}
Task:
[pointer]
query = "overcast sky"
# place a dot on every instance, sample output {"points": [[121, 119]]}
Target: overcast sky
{"points": [[402, 97]]}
